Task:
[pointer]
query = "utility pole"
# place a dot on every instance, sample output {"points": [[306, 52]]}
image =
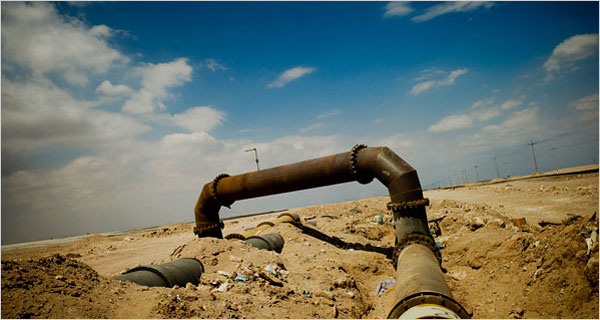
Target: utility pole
{"points": [[497, 170], [476, 173], [255, 156], [554, 156], [531, 143]]}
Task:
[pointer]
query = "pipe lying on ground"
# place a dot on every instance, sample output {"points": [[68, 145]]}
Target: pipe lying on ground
{"points": [[178, 272], [415, 246], [270, 241], [283, 218]]}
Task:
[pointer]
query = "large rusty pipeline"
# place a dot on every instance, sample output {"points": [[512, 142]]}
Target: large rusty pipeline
{"points": [[420, 282]]}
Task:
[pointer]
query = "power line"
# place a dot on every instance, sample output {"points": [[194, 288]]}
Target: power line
{"points": [[531, 143]]}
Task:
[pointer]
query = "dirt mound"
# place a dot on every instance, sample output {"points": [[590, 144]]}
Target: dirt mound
{"points": [[502, 272], [30, 289]]}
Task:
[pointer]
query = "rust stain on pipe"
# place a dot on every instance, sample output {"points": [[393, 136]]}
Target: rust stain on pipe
{"points": [[419, 278], [381, 163]]}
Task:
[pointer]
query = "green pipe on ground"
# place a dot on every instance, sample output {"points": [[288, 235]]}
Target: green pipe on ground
{"points": [[178, 272]]}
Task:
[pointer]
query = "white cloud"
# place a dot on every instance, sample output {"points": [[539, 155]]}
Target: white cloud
{"points": [[36, 37], [588, 106], [109, 89], [330, 113], [311, 127], [452, 122], [485, 113], [197, 119], [509, 104], [420, 87], [568, 52], [290, 75], [518, 121], [483, 102], [378, 121], [449, 80], [156, 78], [214, 66], [397, 8], [38, 114], [586, 103], [451, 7]]}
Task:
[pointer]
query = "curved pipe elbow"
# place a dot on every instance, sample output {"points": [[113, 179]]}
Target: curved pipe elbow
{"points": [[397, 175], [206, 214]]}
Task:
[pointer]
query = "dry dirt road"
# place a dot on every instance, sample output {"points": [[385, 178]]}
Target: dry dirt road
{"points": [[494, 269]]}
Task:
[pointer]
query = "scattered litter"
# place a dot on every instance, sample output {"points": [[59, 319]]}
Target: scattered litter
{"points": [[241, 278], [312, 223], [521, 224], [128, 238], [178, 298], [269, 279], [350, 293], [439, 245], [284, 273], [535, 274], [383, 286], [307, 293], [591, 242], [355, 211], [380, 218], [269, 269], [330, 217], [224, 273], [223, 286]]}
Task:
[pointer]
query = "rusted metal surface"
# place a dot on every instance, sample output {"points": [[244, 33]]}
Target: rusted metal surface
{"points": [[361, 164], [420, 280]]}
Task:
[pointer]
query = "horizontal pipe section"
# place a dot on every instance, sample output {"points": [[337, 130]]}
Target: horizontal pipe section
{"points": [[270, 241], [380, 162], [178, 272]]}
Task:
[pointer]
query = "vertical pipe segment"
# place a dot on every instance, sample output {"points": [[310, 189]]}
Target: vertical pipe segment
{"points": [[420, 282]]}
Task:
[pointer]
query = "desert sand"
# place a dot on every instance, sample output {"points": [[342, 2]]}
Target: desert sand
{"points": [[495, 269]]}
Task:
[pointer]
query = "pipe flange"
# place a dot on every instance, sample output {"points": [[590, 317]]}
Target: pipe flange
{"points": [[294, 217], [416, 238], [205, 227], [235, 236], [395, 206], [434, 298], [268, 223], [361, 178], [215, 195]]}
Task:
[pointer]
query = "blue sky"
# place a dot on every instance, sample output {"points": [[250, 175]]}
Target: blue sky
{"points": [[114, 114]]}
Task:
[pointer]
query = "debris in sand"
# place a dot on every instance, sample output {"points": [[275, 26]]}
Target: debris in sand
{"points": [[384, 286], [270, 269], [241, 278], [476, 223], [222, 287], [224, 273], [591, 242], [521, 224]]}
